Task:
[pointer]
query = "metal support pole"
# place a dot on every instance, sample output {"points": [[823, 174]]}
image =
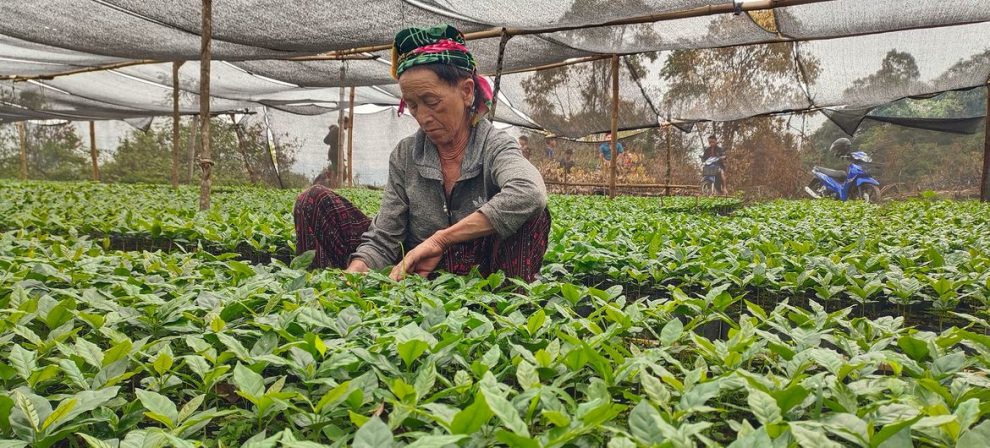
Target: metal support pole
{"points": [[175, 123], [615, 124], [350, 143], [667, 176], [339, 168], [22, 133], [92, 151], [205, 161]]}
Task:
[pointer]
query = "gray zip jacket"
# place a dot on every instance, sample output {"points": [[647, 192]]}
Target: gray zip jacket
{"points": [[495, 179]]}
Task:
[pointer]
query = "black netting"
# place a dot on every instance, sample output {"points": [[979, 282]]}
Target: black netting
{"points": [[300, 25]]}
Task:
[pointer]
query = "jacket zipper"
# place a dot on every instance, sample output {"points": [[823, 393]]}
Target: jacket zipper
{"points": [[446, 203]]}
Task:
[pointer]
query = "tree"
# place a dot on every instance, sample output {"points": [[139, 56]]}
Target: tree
{"points": [[726, 83], [146, 156]]}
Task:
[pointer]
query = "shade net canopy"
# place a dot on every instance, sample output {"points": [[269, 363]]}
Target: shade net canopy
{"points": [[841, 55]]}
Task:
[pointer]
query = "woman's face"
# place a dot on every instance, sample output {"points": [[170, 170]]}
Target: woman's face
{"points": [[440, 109]]}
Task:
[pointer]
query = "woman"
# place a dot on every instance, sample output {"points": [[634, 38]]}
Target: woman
{"points": [[459, 192]]}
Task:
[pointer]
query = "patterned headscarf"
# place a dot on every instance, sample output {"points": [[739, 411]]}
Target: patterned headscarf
{"points": [[441, 44]]}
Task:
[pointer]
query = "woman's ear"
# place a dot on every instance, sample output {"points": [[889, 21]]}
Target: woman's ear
{"points": [[467, 92]]}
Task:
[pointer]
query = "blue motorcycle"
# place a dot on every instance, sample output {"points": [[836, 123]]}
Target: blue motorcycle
{"points": [[856, 182]]}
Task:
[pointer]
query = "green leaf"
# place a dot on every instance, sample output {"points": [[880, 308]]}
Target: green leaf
{"points": [[812, 438], [535, 322], [913, 347], [671, 331], [159, 407], [436, 441], [89, 352], [515, 440], [472, 418], [235, 346], [60, 412], [117, 352], [790, 397], [978, 436], [23, 361], [654, 388], [620, 442], [890, 430], [93, 442], [570, 293], [557, 418], [763, 407], [373, 434], [501, 407], [412, 341], [163, 362], [303, 261], [526, 375], [6, 405], [334, 397], [425, 379], [643, 424], [248, 382]]}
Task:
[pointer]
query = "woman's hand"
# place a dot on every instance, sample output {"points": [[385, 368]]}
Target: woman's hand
{"points": [[358, 265], [421, 260]]}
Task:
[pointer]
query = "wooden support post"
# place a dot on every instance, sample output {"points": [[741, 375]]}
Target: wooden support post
{"points": [[205, 161], [242, 148], [92, 151], [667, 175], [985, 180], [339, 163], [350, 143], [22, 133], [175, 123], [615, 124]]}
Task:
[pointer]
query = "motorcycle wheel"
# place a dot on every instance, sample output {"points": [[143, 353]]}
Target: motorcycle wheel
{"points": [[870, 193], [707, 188], [814, 189]]}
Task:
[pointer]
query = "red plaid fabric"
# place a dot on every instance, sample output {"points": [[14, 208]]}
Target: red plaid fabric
{"points": [[332, 226]]}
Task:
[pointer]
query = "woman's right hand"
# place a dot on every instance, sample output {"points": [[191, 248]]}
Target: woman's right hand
{"points": [[358, 265]]}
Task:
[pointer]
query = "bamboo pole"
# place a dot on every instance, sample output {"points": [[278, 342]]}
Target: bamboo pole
{"points": [[205, 161], [22, 133], [667, 174], [92, 150], [985, 180], [350, 143], [339, 163], [175, 123], [615, 124]]}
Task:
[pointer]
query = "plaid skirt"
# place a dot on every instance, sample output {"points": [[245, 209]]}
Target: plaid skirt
{"points": [[332, 227]]}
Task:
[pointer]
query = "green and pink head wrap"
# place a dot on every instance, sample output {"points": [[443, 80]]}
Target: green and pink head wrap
{"points": [[442, 44]]}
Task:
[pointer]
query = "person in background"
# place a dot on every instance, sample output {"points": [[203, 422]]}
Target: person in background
{"points": [[524, 146], [714, 150], [551, 150], [605, 151], [332, 140], [567, 160], [460, 195]]}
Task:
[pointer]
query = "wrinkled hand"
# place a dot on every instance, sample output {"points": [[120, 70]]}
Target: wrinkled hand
{"points": [[357, 266], [422, 260]]}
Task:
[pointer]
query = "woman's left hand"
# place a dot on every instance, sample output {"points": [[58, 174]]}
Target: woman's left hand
{"points": [[422, 260]]}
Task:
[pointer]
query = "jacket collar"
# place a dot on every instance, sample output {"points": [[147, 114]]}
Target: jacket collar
{"points": [[427, 159]]}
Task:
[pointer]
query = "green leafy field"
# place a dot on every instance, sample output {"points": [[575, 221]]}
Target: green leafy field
{"points": [[781, 324]]}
